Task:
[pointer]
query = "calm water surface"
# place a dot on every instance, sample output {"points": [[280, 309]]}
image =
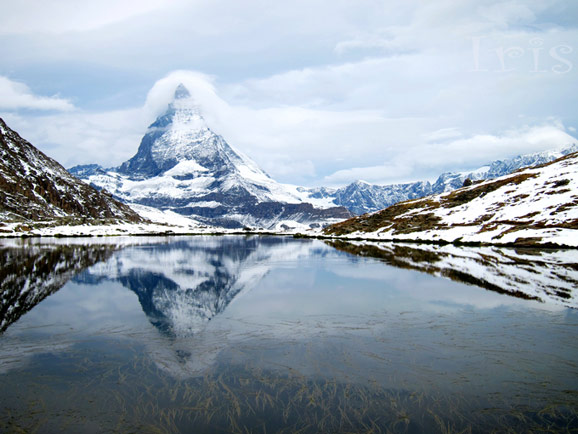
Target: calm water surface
{"points": [[272, 334]]}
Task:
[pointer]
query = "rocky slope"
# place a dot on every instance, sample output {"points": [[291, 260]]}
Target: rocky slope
{"points": [[35, 187], [534, 206], [183, 166]]}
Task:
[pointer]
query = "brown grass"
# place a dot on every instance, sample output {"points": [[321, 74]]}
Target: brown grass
{"points": [[465, 195]]}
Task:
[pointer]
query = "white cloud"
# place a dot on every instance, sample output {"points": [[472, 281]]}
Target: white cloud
{"points": [[383, 91], [59, 16], [466, 152], [286, 167], [456, 154], [506, 13], [371, 174], [201, 86], [307, 146], [15, 95], [382, 40], [79, 137], [442, 134]]}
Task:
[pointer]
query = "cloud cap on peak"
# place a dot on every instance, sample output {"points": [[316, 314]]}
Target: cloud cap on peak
{"points": [[184, 84]]}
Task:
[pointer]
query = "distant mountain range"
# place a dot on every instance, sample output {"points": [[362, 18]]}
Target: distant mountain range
{"points": [[35, 187], [533, 206], [361, 197]]}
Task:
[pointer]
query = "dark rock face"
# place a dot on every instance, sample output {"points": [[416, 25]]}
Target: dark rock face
{"points": [[142, 164], [35, 187], [86, 170]]}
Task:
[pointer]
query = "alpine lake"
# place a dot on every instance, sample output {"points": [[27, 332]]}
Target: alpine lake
{"points": [[265, 334]]}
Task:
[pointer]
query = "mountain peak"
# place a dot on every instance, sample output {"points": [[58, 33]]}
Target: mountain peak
{"points": [[181, 92], [185, 108]]}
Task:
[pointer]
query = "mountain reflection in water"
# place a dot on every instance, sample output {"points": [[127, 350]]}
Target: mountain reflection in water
{"points": [[533, 274], [183, 285], [274, 334]]}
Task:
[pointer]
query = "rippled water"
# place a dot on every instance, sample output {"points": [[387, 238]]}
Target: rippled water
{"points": [[271, 334]]}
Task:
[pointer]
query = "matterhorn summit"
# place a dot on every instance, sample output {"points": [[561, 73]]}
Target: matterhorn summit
{"points": [[180, 135], [183, 166]]}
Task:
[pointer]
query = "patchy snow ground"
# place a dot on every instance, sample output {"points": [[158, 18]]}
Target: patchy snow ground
{"points": [[537, 206]]}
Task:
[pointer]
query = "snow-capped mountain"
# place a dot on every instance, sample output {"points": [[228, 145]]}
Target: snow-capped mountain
{"points": [[452, 180], [533, 206], [361, 197], [183, 166], [35, 187]]}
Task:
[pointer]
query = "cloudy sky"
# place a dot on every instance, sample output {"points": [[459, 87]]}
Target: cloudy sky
{"points": [[317, 92]]}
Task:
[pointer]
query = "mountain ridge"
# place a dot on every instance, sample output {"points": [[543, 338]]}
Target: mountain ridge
{"points": [[181, 165], [361, 197]]}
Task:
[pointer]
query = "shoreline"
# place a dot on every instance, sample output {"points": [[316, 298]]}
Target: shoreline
{"points": [[104, 232]]}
